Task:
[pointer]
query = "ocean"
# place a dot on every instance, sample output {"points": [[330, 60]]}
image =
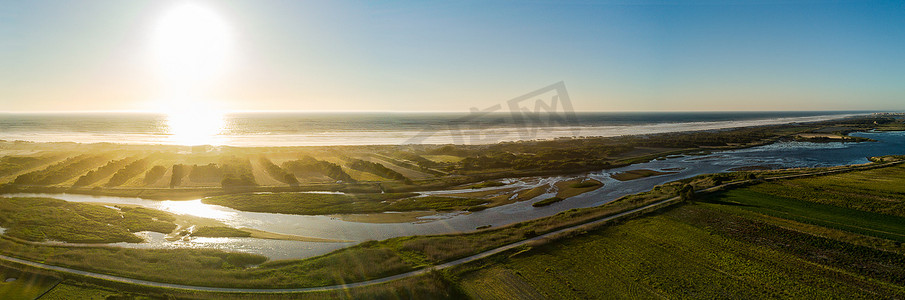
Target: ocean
{"points": [[322, 129]]}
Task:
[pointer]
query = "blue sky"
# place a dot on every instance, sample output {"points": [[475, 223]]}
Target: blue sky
{"points": [[450, 56]]}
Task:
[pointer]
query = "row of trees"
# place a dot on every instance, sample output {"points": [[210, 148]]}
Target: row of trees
{"points": [[308, 164], [228, 174], [61, 171], [154, 174], [102, 172], [278, 173], [12, 164], [375, 168], [131, 170]]}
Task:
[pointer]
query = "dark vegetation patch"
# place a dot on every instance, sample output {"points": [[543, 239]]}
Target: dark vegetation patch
{"points": [[62, 171], [866, 261], [637, 174], [154, 174], [16, 284], [102, 172], [131, 170], [220, 231], [856, 221], [278, 173], [375, 168], [691, 251], [41, 219], [323, 204], [547, 201], [10, 165], [308, 164], [486, 184]]}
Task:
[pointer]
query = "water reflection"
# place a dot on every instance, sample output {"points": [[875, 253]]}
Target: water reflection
{"points": [[198, 209]]}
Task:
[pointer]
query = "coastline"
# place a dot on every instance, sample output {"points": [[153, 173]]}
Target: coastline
{"points": [[447, 130], [196, 192]]}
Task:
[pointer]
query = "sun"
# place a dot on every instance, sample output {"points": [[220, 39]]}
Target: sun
{"points": [[191, 49], [191, 46]]}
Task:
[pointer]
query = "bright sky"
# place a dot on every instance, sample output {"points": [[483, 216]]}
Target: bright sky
{"points": [[453, 55]]}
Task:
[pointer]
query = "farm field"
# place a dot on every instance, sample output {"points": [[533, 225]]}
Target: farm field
{"points": [[19, 285], [784, 239], [694, 251]]}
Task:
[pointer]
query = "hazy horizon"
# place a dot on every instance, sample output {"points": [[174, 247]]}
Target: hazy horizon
{"points": [[373, 128], [436, 112]]}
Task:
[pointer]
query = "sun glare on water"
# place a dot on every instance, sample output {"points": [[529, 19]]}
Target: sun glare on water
{"points": [[191, 48], [194, 126]]}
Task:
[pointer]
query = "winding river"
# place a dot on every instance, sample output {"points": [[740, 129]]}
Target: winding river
{"points": [[783, 154]]}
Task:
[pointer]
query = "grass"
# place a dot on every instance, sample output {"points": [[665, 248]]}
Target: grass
{"points": [[10, 165], [856, 221], [78, 290], [690, 252], [145, 219], [428, 286], [547, 201], [325, 204], [486, 184], [40, 219], [759, 241], [575, 187], [877, 190], [220, 232], [443, 158], [891, 127], [585, 184], [637, 174], [62, 171], [23, 285]]}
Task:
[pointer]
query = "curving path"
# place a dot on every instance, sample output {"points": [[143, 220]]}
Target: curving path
{"points": [[460, 261], [340, 286]]}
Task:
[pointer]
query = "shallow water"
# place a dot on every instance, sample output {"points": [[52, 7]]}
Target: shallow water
{"points": [[786, 154]]}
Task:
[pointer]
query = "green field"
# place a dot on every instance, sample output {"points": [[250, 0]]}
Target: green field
{"points": [[41, 219], [324, 204], [547, 201], [691, 252], [878, 190], [428, 286], [829, 237], [71, 290], [855, 221], [637, 174], [220, 231], [15, 284]]}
